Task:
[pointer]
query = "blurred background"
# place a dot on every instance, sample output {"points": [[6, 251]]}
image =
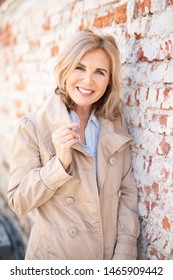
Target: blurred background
{"points": [[31, 34]]}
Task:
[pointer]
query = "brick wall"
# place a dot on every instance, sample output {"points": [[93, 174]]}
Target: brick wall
{"points": [[31, 33]]}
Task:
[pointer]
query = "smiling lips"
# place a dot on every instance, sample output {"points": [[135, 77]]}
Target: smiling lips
{"points": [[84, 91]]}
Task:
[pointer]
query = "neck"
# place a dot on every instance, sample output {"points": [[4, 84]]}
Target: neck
{"points": [[83, 113]]}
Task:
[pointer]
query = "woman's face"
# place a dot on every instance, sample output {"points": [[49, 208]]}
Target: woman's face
{"points": [[88, 82]]}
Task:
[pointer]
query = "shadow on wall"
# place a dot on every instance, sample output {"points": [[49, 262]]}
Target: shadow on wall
{"points": [[11, 244]]}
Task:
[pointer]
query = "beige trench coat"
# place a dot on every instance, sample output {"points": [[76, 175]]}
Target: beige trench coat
{"points": [[77, 216]]}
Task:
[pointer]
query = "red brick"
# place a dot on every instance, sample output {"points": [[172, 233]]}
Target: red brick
{"points": [[21, 85], [7, 36], [153, 205], [1, 32], [47, 26], [155, 190], [138, 36], [34, 45], [165, 174], [165, 245], [157, 94], [54, 50], [140, 55], [137, 92], [165, 147], [136, 11], [5, 109], [149, 163], [147, 190], [103, 21], [120, 14], [163, 120], [157, 254], [153, 67], [146, 203], [86, 25], [17, 103], [141, 7], [166, 223], [8, 30], [169, 49], [20, 114], [166, 93]]}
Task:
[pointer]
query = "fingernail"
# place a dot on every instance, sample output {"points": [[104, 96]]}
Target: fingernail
{"points": [[76, 127]]}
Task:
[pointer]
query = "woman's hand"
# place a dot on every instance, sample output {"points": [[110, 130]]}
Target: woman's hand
{"points": [[63, 139]]}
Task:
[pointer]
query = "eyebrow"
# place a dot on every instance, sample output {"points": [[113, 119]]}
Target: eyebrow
{"points": [[100, 69]]}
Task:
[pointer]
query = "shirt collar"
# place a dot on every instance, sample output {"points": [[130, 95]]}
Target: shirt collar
{"points": [[75, 118]]}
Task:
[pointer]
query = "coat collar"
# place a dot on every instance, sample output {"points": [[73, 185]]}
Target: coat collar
{"points": [[54, 113], [49, 117], [114, 136]]}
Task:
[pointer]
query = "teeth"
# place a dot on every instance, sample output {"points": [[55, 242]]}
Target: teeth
{"points": [[85, 91]]}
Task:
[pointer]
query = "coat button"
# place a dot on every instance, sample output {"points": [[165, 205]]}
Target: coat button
{"points": [[112, 161], [69, 200], [73, 232]]}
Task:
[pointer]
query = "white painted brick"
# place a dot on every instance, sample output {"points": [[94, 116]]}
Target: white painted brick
{"points": [[139, 26], [158, 5], [154, 96], [96, 4], [53, 7], [124, 43], [162, 23], [151, 120], [154, 48], [130, 10], [148, 169], [158, 72]]}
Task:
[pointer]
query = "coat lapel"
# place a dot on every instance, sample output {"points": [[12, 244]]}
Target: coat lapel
{"points": [[113, 138]]}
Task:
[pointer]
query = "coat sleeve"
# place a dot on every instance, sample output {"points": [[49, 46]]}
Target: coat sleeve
{"points": [[128, 222], [31, 184]]}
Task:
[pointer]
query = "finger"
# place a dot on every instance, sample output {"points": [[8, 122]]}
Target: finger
{"points": [[63, 133], [69, 143], [73, 125], [64, 139], [68, 125]]}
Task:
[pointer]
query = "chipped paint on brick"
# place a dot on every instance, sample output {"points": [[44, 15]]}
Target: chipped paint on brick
{"points": [[166, 223]]}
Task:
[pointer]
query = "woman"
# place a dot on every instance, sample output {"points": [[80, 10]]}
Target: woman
{"points": [[71, 161]]}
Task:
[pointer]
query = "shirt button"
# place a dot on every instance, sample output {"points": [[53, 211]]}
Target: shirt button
{"points": [[69, 200], [112, 161], [73, 232]]}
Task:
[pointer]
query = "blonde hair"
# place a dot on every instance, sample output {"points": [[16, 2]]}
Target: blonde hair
{"points": [[82, 43]]}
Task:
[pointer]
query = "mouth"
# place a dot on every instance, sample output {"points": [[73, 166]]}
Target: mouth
{"points": [[85, 91]]}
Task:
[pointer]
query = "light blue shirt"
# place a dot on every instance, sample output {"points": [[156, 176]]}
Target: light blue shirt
{"points": [[92, 132]]}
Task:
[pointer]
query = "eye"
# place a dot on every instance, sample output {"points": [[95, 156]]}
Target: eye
{"points": [[80, 68], [100, 72]]}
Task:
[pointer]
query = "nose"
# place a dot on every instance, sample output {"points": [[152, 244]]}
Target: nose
{"points": [[87, 78]]}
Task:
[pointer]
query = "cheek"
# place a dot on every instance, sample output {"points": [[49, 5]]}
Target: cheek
{"points": [[69, 83], [72, 80], [103, 85]]}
